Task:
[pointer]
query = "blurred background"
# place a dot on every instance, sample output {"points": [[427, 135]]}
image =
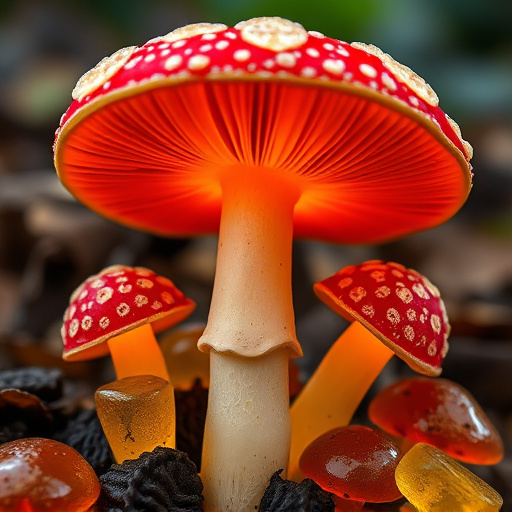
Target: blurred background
{"points": [[49, 244]]}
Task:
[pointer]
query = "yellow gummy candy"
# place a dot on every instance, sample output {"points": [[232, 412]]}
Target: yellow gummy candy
{"points": [[137, 415], [434, 482]]}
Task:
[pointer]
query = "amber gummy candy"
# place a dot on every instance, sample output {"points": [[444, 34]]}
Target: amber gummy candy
{"points": [[38, 474], [137, 415], [185, 362], [434, 482]]}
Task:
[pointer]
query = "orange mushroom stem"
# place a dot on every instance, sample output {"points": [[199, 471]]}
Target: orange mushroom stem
{"points": [[393, 310], [137, 352], [336, 389]]}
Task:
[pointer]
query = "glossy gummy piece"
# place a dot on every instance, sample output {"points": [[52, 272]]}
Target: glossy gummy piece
{"points": [[137, 414], [434, 482], [441, 413], [38, 474], [353, 462]]}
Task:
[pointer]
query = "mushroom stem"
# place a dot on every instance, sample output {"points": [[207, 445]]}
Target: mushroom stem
{"points": [[136, 352], [247, 434], [251, 333], [336, 388], [251, 311]]}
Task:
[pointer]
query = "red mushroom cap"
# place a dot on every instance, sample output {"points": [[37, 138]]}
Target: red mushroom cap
{"points": [[153, 130], [398, 305], [354, 462], [441, 413], [114, 301]]}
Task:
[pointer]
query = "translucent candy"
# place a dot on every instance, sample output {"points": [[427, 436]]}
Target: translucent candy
{"points": [[434, 482], [137, 414], [38, 474], [441, 413], [185, 362], [353, 462]]}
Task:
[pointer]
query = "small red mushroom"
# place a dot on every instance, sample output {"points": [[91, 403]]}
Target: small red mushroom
{"points": [[258, 132], [441, 413], [355, 463], [118, 311], [392, 309]]}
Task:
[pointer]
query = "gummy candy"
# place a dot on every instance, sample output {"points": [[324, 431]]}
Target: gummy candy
{"points": [[137, 414], [441, 413], [355, 463], [38, 474], [185, 362], [434, 482]]}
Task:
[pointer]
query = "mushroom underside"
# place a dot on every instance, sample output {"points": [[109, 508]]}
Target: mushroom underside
{"points": [[154, 160]]}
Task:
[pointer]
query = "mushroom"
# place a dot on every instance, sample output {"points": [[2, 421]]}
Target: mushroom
{"points": [[441, 413], [118, 310], [392, 309], [258, 132], [355, 463]]}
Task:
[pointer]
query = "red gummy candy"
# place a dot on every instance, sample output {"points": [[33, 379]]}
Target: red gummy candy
{"points": [[38, 474], [353, 462], [441, 413]]}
